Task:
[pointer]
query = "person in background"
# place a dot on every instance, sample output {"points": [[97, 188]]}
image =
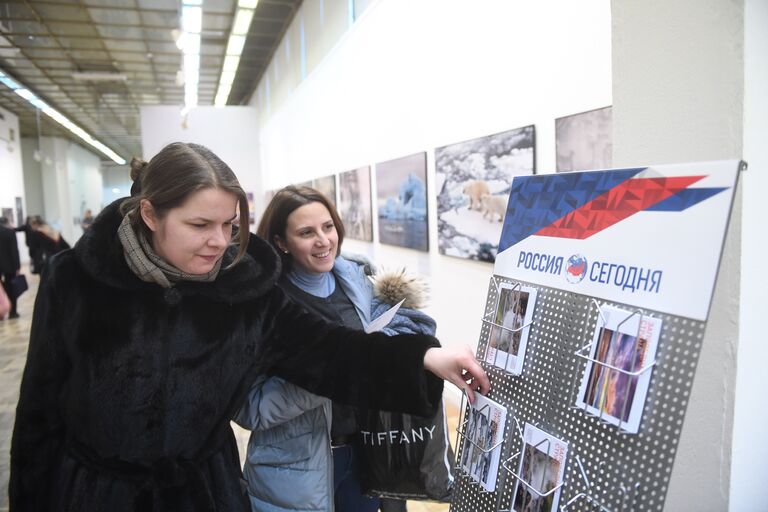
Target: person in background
{"points": [[87, 219], [147, 336], [5, 303], [303, 453], [10, 265], [50, 240], [34, 242]]}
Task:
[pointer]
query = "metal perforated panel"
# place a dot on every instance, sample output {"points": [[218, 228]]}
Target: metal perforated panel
{"points": [[605, 468]]}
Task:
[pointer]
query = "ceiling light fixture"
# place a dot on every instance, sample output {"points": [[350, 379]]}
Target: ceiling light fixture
{"points": [[57, 116], [243, 18], [189, 43]]}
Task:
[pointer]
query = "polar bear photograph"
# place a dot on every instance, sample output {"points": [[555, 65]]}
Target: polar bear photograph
{"points": [[473, 180], [475, 190]]}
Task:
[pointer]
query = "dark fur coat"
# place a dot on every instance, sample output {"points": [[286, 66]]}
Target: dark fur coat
{"points": [[129, 388]]}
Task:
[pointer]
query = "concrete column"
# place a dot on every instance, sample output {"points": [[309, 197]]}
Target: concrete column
{"points": [[678, 93]]}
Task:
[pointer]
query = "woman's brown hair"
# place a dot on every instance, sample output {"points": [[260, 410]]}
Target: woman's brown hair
{"points": [[274, 221], [176, 172]]}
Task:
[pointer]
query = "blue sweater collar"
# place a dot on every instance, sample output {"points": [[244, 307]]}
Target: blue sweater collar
{"points": [[319, 285]]}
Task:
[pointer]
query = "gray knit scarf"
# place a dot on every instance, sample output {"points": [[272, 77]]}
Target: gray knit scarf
{"points": [[147, 265]]}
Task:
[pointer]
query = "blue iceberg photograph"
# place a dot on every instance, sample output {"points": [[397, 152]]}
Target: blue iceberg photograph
{"points": [[402, 202]]}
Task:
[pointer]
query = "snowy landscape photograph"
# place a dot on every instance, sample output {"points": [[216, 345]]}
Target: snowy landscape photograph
{"points": [[401, 191], [473, 183]]}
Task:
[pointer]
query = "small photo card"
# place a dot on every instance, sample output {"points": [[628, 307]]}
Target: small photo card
{"points": [[510, 327], [542, 467], [480, 454], [613, 385]]}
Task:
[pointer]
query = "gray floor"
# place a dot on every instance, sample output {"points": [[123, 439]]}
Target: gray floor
{"points": [[14, 336]]}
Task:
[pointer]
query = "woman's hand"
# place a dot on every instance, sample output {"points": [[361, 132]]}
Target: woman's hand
{"points": [[459, 367]]}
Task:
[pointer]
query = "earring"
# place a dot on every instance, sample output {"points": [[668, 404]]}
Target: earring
{"points": [[286, 252]]}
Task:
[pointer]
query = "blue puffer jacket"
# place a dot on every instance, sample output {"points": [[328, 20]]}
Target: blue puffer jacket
{"points": [[289, 466]]}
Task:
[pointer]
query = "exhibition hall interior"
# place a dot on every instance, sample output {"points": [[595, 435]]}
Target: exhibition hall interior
{"points": [[573, 187]]}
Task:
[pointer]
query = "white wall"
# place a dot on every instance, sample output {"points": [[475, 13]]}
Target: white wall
{"points": [[33, 180], [85, 185], [116, 180], [70, 177], [412, 76], [11, 173], [750, 448], [56, 184], [230, 132]]}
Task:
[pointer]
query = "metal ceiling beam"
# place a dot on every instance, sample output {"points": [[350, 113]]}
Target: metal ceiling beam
{"points": [[112, 110], [112, 24], [76, 118]]}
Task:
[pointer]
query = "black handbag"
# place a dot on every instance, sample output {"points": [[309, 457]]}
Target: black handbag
{"points": [[406, 457], [18, 285]]}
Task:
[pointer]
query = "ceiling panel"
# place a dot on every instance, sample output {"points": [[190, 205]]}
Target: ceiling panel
{"points": [[136, 66], [120, 32], [90, 55], [165, 58], [61, 12], [162, 47], [158, 4], [123, 45], [128, 56], [42, 42], [45, 53], [33, 41], [60, 28], [114, 16], [159, 18], [80, 43], [112, 3], [159, 34], [24, 28], [217, 22]]}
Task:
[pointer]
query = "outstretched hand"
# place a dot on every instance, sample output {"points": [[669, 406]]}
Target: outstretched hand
{"points": [[459, 367]]}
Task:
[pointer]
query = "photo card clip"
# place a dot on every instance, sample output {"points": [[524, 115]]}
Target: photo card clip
{"points": [[619, 358], [510, 320], [481, 431], [540, 469]]}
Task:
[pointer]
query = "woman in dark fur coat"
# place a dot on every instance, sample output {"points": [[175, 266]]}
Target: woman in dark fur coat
{"points": [[147, 336]]}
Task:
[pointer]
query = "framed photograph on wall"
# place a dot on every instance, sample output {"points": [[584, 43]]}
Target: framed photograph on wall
{"points": [[473, 183], [355, 206], [251, 207], [584, 141], [401, 201], [327, 186]]}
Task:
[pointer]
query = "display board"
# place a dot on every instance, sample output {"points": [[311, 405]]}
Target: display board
{"points": [[594, 418], [646, 236]]}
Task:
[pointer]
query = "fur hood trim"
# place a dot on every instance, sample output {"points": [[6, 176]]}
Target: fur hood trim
{"points": [[100, 254], [392, 286]]}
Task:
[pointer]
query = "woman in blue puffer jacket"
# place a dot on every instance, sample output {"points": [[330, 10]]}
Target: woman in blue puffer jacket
{"points": [[301, 455]]}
